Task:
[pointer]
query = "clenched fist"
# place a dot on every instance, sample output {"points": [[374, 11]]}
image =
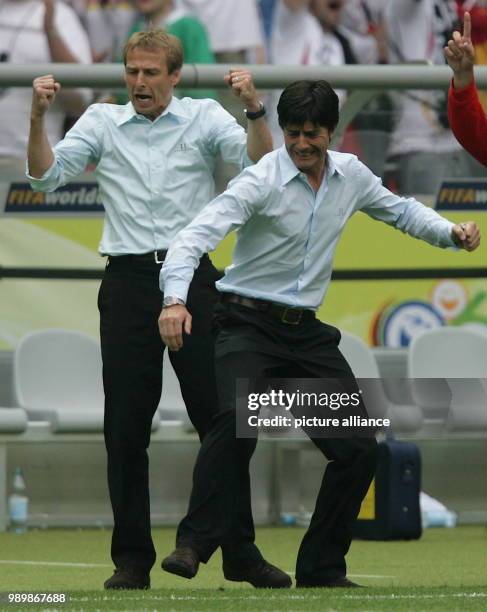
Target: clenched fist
{"points": [[44, 94], [242, 85], [466, 235]]}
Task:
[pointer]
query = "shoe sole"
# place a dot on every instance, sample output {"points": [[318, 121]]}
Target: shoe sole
{"points": [[177, 569], [328, 586], [237, 578], [126, 588]]}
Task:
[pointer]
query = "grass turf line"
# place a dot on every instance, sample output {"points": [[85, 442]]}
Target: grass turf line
{"points": [[444, 570]]}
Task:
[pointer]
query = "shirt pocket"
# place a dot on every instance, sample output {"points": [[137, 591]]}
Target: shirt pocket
{"points": [[186, 159]]}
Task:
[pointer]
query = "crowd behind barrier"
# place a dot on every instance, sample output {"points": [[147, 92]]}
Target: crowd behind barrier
{"points": [[404, 136]]}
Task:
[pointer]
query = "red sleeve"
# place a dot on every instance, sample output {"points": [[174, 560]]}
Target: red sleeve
{"points": [[468, 121]]}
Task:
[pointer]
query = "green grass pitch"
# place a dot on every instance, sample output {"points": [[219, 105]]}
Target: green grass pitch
{"points": [[445, 570]]}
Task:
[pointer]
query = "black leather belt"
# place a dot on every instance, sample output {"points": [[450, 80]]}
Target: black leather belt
{"points": [[156, 257], [285, 314]]}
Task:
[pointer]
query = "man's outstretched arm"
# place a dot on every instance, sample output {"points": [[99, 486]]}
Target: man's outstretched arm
{"points": [[411, 216]]}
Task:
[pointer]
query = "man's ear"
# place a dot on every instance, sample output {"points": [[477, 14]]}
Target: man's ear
{"points": [[175, 77]]}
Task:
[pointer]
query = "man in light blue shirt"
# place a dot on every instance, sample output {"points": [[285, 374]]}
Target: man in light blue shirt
{"points": [[154, 162], [290, 210]]}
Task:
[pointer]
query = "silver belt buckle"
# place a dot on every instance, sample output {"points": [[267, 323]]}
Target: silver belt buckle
{"points": [[296, 320], [156, 258]]}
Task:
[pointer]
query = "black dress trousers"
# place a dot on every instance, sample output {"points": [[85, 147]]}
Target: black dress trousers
{"points": [[255, 345], [130, 303]]}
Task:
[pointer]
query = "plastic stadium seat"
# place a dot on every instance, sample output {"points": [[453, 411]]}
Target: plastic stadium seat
{"points": [[58, 378], [448, 358], [12, 420], [404, 418], [359, 356]]}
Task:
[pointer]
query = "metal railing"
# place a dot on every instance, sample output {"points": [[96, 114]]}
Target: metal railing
{"points": [[265, 76]]}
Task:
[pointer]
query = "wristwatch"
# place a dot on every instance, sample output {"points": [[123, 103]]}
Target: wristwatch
{"points": [[172, 301], [256, 114]]}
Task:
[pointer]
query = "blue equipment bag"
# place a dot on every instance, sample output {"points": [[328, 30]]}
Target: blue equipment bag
{"points": [[390, 510]]}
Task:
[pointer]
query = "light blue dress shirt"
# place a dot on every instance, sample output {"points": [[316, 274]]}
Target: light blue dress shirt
{"points": [[287, 233], [153, 176]]}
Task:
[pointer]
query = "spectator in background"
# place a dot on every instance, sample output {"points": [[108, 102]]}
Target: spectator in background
{"points": [[306, 32], [363, 23], [335, 46], [296, 34], [422, 145], [40, 32], [180, 23], [107, 23], [267, 8], [236, 38], [234, 27], [466, 115]]}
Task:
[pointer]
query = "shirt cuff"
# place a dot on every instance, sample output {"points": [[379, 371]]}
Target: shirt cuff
{"points": [[448, 241], [174, 288], [39, 183]]}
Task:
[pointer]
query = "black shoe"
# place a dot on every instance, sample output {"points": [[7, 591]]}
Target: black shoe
{"points": [[128, 578], [262, 575], [183, 562], [340, 582]]}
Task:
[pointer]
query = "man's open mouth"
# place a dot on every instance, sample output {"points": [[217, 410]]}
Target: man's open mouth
{"points": [[143, 97]]}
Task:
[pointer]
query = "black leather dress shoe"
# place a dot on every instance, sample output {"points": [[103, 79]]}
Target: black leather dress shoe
{"points": [[183, 562], [341, 582], [262, 575], [128, 578]]}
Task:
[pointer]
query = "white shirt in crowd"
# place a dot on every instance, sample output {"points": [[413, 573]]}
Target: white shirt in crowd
{"points": [[355, 22], [233, 25], [23, 41], [298, 38], [414, 36]]}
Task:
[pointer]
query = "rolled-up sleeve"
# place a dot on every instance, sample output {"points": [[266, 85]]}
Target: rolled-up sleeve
{"points": [[227, 137], [81, 145], [406, 214], [227, 212]]}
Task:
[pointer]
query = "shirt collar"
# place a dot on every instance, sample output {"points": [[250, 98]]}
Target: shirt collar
{"points": [[175, 108], [289, 170]]}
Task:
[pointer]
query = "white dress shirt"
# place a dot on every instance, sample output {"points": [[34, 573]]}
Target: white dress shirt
{"points": [[154, 176], [287, 233]]}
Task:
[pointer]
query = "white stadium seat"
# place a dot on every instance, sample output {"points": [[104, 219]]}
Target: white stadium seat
{"points": [[12, 420], [404, 418], [452, 361], [58, 378]]}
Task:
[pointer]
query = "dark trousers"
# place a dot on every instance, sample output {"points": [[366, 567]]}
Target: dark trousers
{"points": [[255, 345], [130, 303]]}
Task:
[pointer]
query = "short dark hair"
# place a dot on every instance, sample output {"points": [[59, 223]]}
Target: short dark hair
{"points": [[314, 101]]}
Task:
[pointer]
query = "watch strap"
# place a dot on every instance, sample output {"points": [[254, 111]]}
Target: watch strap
{"points": [[256, 114]]}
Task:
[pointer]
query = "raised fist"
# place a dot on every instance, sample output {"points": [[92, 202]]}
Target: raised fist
{"points": [[44, 94]]}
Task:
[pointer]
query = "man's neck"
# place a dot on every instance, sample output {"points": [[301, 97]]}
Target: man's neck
{"points": [[316, 177]]}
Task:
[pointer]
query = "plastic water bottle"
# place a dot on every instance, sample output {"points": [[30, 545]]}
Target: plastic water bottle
{"points": [[18, 504]]}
